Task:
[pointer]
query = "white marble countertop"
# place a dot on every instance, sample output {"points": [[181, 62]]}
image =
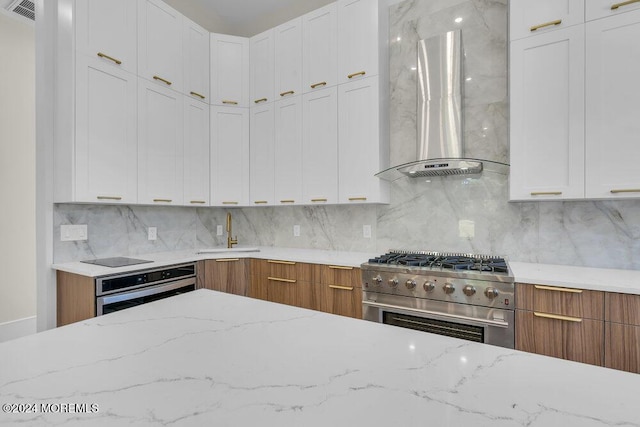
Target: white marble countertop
{"points": [[207, 358]]}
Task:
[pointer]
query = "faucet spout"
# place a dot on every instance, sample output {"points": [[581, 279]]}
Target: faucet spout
{"points": [[230, 241]]}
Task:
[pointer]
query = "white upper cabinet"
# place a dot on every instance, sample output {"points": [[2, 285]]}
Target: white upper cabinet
{"points": [[358, 39], [288, 151], [106, 141], [262, 68], [229, 156], [288, 58], [196, 152], [320, 48], [602, 8], [196, 60], [160, 145], [320, 146], [229, 70], [613, 125], [531, 17], [160, 44], [261, 154], [547, 116], [95, 35]]}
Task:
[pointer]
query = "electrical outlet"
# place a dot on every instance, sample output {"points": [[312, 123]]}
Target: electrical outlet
{"points": [[73, 233], [152, 233], [219, 230], [296, 231], [366, 231]]}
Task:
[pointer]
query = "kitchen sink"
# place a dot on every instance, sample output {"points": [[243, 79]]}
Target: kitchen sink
{"points": [[227, 250]]}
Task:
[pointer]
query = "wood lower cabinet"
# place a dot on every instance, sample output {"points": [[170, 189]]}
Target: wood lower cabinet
{"points": [[622, 332], [228, 275], [76, 298], [341, 290]]}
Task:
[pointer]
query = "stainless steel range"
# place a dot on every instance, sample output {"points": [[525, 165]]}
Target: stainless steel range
{"points": [[459, 295]]}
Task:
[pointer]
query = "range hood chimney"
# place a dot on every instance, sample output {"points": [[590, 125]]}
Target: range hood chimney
{"points": [[440, 143]]}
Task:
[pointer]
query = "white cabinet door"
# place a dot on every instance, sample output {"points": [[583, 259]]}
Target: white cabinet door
{"points": [[261, 154], [320, 48], [262, 68], [196, 152], [320, 146], [160, 44], [358, 48], [196, 60], [229, 156], [602, 8], [288, 58], [95, 35], [532, 17], [160, 145], [359, 143], [229, 70], [106, 140], [547, 116], [613, 122], [288, 151]]}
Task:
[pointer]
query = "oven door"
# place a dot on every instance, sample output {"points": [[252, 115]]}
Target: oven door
{"points": [[473, 323], [120, 301]]}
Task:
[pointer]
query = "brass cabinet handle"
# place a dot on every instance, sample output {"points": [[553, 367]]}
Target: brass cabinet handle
{"points": [[271, 261], [556, 317], [167, 82], [318, 200], [339, 267], [287, 201], [258, 101], [624, 3], [344, 288], [162, 200], [197, 202], [315, 85], [227, 259], [109, 198], [260, 202], [102, 55], [277, 279], [546, 193], [553, 288], [546, 24], [226, 101], [197, 94], [359, 73], [630, 190], [287, 93], [357, 199], [229, 203]]}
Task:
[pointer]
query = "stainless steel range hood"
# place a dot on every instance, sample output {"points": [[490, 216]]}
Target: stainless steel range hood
{"points": [[440, 146]]}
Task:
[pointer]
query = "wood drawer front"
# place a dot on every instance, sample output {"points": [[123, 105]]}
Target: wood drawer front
{"points": [[341, 276], [622, 347], [76, 298], [578, 341], [227, 275], [290, 270], [622, 308], [562, 301], [341, 300]]}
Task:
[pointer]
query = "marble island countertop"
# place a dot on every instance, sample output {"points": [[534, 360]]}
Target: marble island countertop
{"points": [[207, 358]]}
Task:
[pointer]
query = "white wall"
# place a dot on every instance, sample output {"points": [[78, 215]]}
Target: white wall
{"points": [[17, 174]]}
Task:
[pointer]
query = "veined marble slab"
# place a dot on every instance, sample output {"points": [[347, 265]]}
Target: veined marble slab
{"points": [[207, 358]]}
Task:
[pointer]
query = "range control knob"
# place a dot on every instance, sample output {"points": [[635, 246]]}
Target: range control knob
{"points": [[411, 284], [469, 290], [491, 293], [377, 280], [393, 282], [448, 288], [428, 286]]}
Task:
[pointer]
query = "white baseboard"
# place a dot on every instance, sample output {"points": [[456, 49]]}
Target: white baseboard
{"points": [[17, 328]]}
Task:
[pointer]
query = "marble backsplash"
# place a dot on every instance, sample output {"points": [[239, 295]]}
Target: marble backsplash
{"points": [[454, 214]]}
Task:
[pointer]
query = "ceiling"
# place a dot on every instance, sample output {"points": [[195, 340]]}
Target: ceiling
{"points": [[243, 17]]}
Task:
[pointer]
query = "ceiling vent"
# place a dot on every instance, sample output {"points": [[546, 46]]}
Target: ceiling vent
{"points": [[24, 8]]}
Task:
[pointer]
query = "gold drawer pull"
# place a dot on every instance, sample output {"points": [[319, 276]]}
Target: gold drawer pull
{"points": [[556, 317], [229, 203], [271, 261], [162, 200], [357, 199], [102, 55], [167, 82], [226, 101], [197, 94], [258, 101], [553, 288], [318, 200], [287, 201], [260, 202], [227, 259], [344, 288], [546, 24], [630, 190], [624, 3], [287, 93], [277, 279], [109, 198], [546, 193], [313, 86], [197, 202], [359, 73], [339, 267]]}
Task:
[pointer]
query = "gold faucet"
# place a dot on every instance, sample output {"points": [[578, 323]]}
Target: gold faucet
{"points": [[230, 241]]}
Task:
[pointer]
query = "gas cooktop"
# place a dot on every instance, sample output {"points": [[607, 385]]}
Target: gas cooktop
{"points": [[443, 261]]}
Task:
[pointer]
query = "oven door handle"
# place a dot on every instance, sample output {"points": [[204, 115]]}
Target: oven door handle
{"points": [[498, 323], [145, 292]]}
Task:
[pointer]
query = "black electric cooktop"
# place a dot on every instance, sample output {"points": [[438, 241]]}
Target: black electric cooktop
{"points": [[116, 261]]}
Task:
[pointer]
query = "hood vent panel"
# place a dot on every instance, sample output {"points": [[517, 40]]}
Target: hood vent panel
{"points": [[24, 8]]}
